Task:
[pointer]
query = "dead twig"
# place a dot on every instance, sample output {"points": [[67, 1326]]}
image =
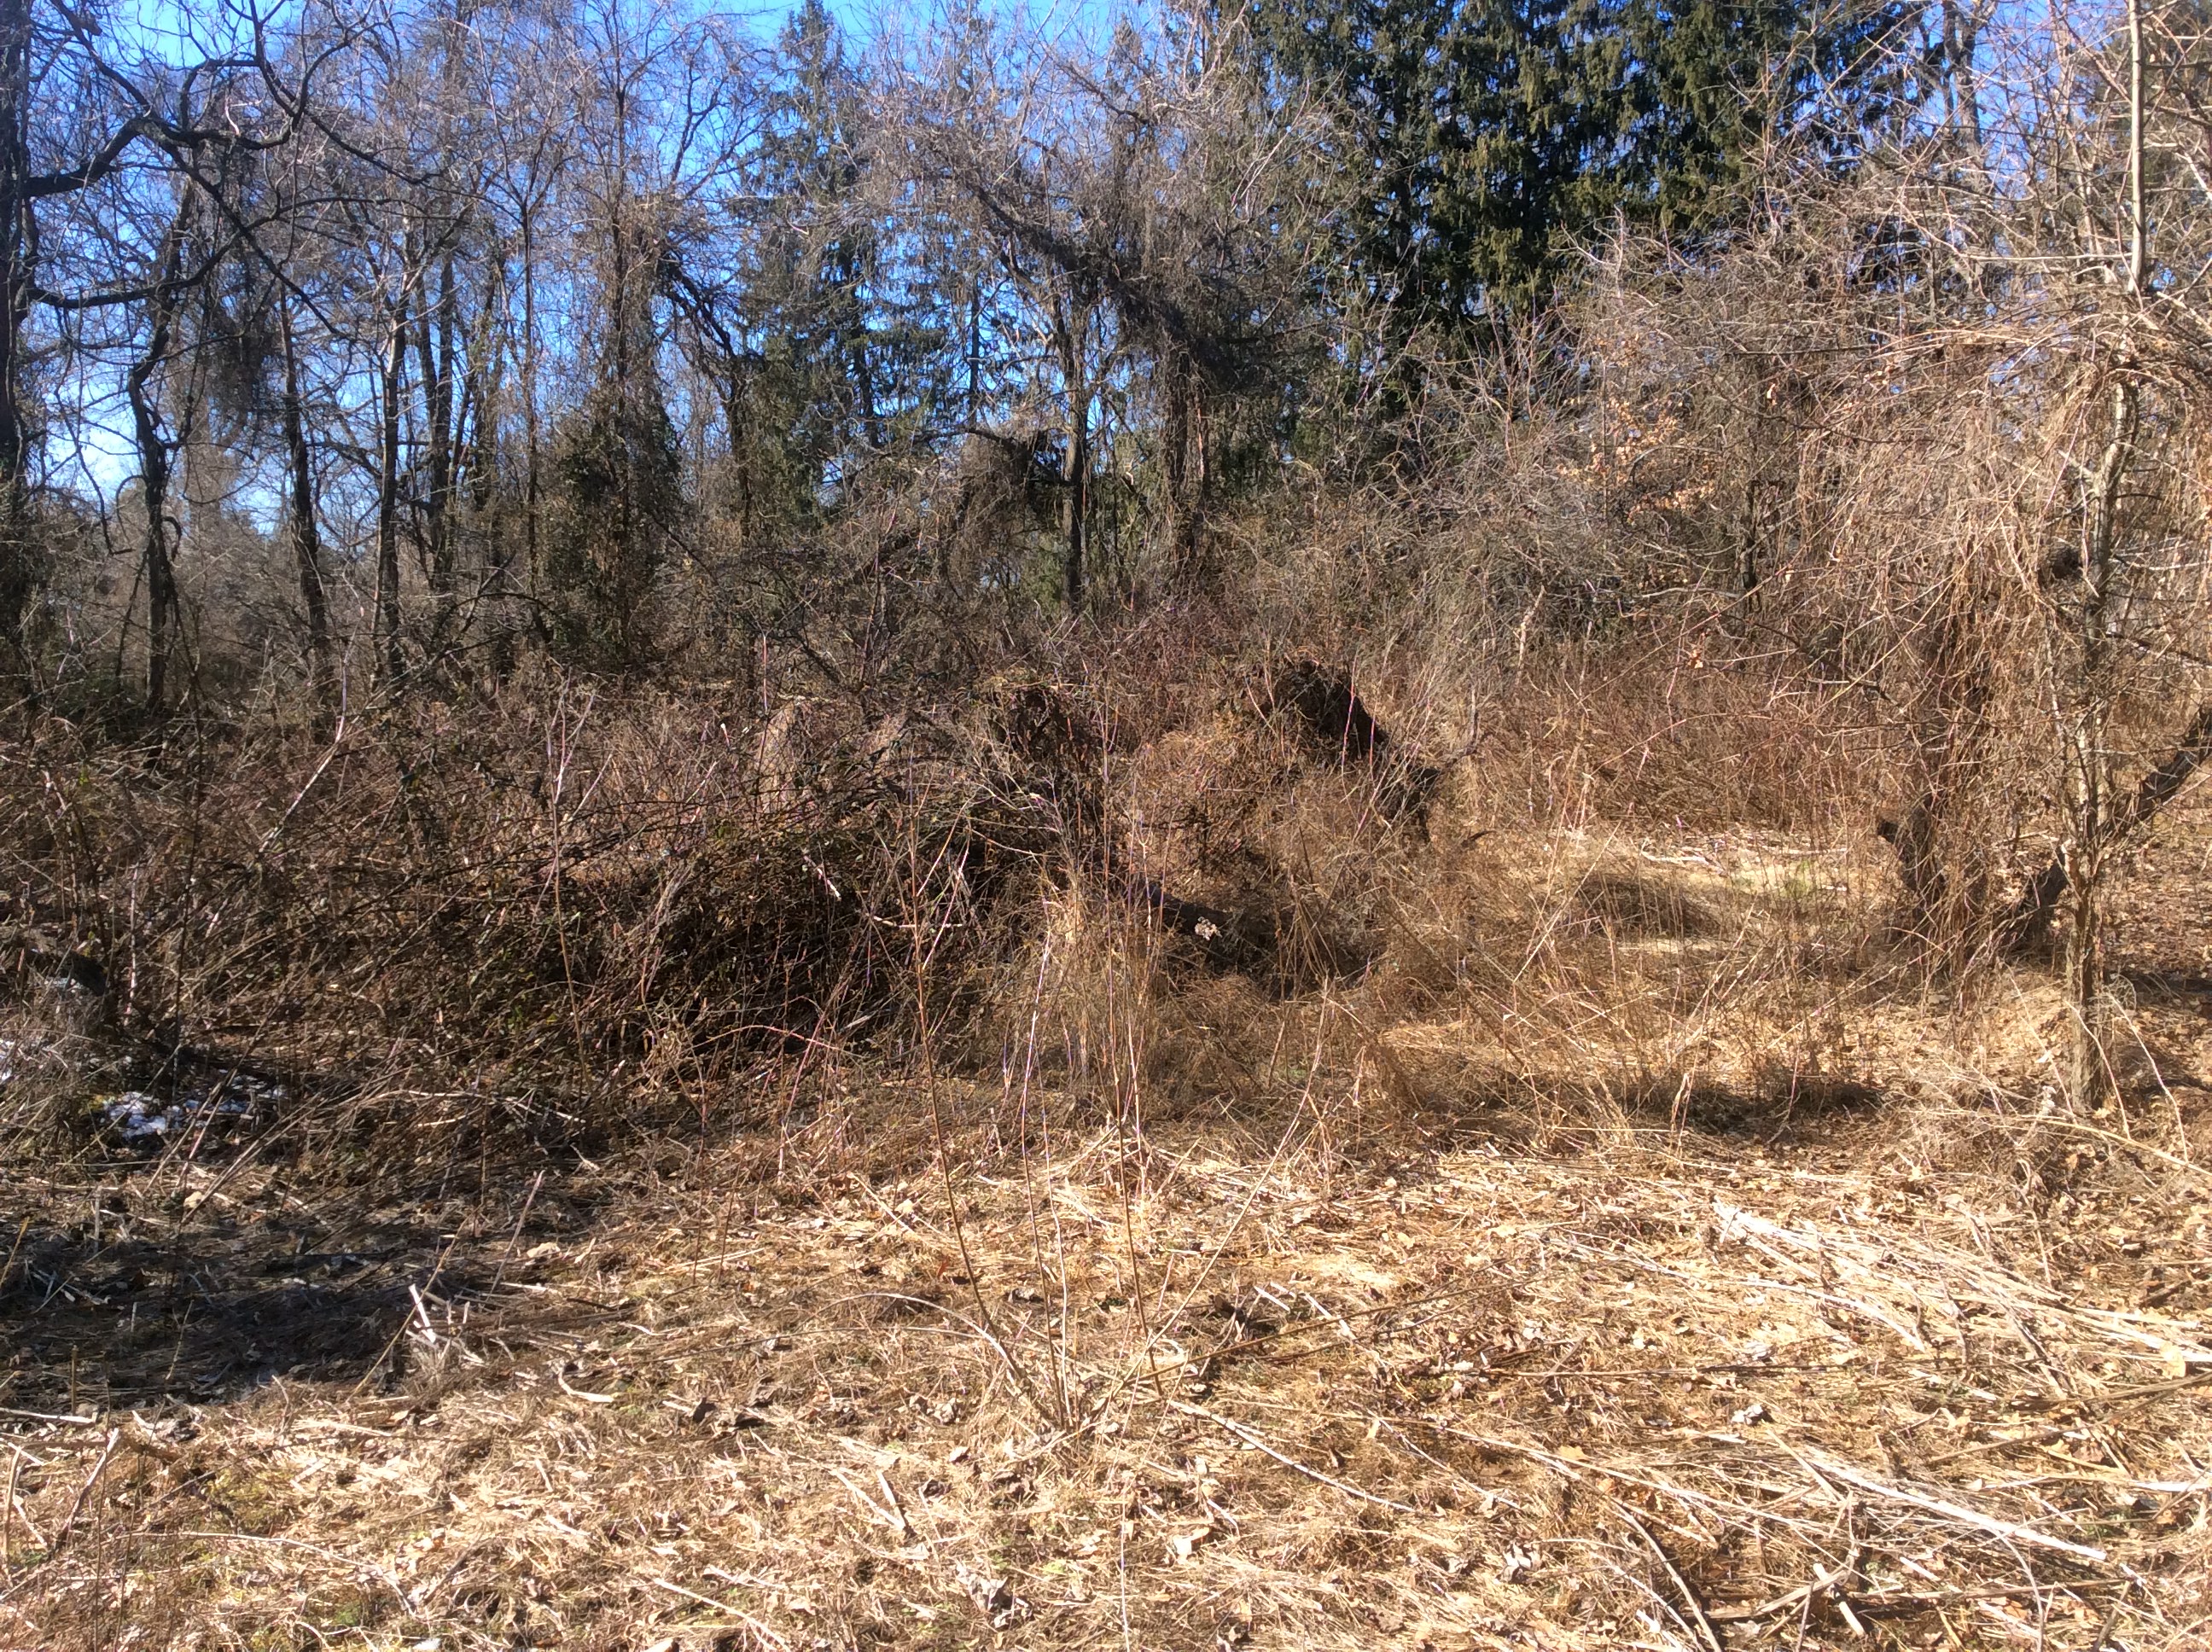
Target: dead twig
{"points": [[8, 1520], [506, 1255], [1698, 1615], [77, 1507], [1804, 1592], [1974, 1518], [1873, 1604], [1259, 1444], [745, 1618]]}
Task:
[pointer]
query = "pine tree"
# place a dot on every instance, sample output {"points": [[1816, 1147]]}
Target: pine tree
{"points": [[811, 386], [617, 493], [1484, 138]]}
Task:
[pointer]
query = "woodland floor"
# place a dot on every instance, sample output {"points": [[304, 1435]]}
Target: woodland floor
{"points": [[1910, 1358]]}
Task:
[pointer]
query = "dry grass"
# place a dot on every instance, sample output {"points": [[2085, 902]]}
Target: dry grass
{"points": [[1212, 1387], [1592, 1229], [1658, 1279], [943, 1128]]}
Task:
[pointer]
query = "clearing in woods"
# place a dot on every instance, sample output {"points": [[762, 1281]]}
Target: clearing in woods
{"points": [[1475, 1351]]}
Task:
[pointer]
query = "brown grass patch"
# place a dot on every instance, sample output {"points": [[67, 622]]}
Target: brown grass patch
{"points": [[1211, 1382]]}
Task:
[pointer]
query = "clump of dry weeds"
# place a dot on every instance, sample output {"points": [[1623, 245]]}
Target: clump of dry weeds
{"points": [[1579, 1274]]}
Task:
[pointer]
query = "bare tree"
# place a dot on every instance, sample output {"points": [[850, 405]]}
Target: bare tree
{"points": [[1147, 220], [71, 112]]}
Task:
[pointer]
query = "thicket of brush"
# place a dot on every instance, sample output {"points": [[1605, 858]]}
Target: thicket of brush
{"points": [[1871, 521]]}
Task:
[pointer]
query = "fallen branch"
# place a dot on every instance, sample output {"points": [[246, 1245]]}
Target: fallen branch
{"points": [[1702, 1619], [1259, 1444], [1873, 1604], [1804, 1592], [745, 1618], [1966, 1516]]}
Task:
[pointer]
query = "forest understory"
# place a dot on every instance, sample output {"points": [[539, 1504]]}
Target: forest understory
{"points": [[1561, 1235]]}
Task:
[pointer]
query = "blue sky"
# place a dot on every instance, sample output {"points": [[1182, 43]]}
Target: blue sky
{"points": [[178, 19]]}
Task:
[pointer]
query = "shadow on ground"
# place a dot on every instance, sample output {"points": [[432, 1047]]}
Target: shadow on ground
{"points": [[112, 1302]]}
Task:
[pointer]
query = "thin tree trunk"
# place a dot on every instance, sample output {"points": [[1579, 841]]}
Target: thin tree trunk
{"points": [[154, 497], [1075, 505], [1748, 543], [863, 369], [18, 556], [388, 494], [306, 546], [433, 347], [975, 352], [1962, 29], [1075, 464], [483, 389], [2138, 216], [532, 554], [2085, 854], [1174, 378], [2092, 818], [141, 389]]}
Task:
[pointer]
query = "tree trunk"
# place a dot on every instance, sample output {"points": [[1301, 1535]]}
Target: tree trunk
{"points": [[141, 387], [975, 352], [18, 556], [1073, 330], [1177, 391], [1074, 505], [532, 554], [307, 547], [434, 348], [1962, 27], [2094, 818], [1950, 739], [154, 496], [388, 494]]}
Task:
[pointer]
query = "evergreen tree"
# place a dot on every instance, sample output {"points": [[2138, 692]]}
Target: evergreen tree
{"points": [[1481, 138], [617, 494], [817, 367]]}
